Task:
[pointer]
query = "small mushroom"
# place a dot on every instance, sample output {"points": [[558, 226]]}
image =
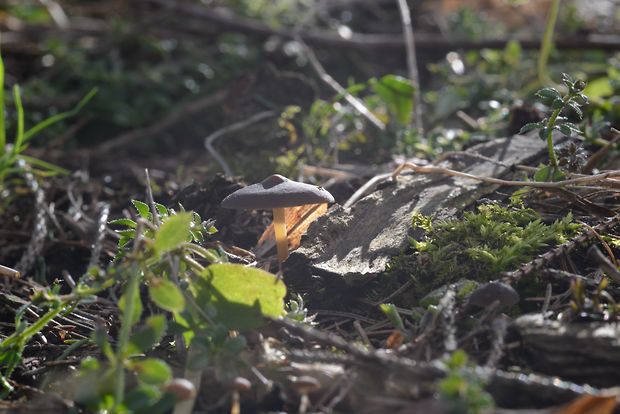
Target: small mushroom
{"points": [[238, 385], [304, 385], [277, 192], [490, 292], [181, 388]]}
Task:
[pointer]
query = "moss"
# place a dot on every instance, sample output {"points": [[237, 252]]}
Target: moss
{"points": [[479, 246]]}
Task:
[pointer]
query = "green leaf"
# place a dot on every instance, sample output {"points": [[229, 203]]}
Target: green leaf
{"points": [[123, 222], [574, 106], [166, 295], [567, 80], [548, 173], [19, 138], [172, 233], [241, 295], [147, 335], [542, 134], [568, 129], [143, 209], [397, 93], [599, 88], [529, 127], [152, 371], [549, 94], [137, 307], [161, 209], [557, 104]]}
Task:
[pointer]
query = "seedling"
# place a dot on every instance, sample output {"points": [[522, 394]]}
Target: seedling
{"points": [[277, 192], [572, 101]]}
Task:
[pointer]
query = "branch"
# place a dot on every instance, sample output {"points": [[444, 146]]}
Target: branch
{"points": [[412, 63], [352, 100], [429, 42], [232, 128]]}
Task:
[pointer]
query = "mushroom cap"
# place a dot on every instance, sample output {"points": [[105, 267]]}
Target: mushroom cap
{"points": [[276, 191], [306, 384], [488, 293]]}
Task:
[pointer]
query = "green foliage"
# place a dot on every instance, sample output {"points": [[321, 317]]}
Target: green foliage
{"points": [[241, 296], [461, 388], [334, 127], [480, 245], [206, 304], [141, 77], [570, 103], [177, 228], [12, 157], [392, 314], [595, 304]]}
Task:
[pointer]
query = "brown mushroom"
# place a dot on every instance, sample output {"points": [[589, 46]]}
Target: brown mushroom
{"points": [[277, 192], [492, 292], [238, 385], [181, 388], [305, 385]]}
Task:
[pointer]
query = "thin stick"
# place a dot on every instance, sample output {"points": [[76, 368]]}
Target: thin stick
{"points": [[412, 62], [590, 179], [332, 83], [232, 128]]}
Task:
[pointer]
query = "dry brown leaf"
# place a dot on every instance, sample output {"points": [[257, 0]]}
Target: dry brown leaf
{"points": [[395, 340], [590, 404], [297, 219]]}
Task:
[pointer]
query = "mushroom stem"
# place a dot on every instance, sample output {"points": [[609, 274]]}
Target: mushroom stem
{"points": [[279, 227]]}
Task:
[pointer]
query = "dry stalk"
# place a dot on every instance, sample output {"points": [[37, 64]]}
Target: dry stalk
{"points": [[39, 229]]}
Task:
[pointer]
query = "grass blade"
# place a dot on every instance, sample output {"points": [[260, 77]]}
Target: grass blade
{"points": [[59, 117], [2, 126], [19, 137]]}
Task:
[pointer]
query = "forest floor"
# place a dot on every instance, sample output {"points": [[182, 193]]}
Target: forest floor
{"points": [[480, 277]]}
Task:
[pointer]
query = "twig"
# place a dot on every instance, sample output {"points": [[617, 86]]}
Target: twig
{"points": [[595, 254], [357, 104], [56, 12], [232, 128], [363, 41], [595, 158], [365, 188], [185, 110], [8, 271], [412, 63], [588, 179]]}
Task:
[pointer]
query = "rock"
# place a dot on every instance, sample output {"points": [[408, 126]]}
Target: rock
{"points": [[352, 246]]}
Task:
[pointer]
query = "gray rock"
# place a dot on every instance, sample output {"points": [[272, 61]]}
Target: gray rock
{"points": [[353, 246]]}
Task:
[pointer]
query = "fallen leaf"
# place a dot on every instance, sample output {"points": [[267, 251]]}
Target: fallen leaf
{"points": [[297, 219], [590, 404]]}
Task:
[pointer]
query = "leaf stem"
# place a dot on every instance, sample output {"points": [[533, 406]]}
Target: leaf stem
{"points": [[553, 161], [123, 337]]}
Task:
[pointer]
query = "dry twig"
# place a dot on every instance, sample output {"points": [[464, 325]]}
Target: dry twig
{"points": [[232, 128], [332, 83], [412, 62]]}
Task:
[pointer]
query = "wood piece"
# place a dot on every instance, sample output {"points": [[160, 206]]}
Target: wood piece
{"points": [[581, 352], [354, 245]]}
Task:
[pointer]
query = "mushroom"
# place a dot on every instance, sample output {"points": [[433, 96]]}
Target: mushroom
{"points": [[490, 292], [181, 388], [277, 192], [305, 385], [238, 385]]}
